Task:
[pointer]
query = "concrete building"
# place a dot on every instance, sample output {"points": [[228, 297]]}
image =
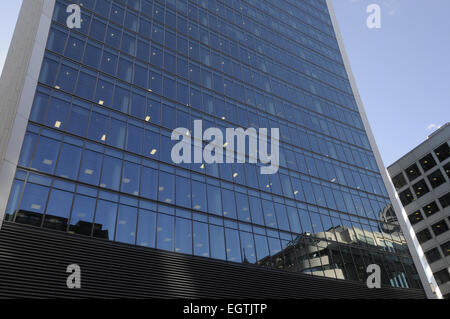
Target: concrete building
{"points": [[422, 180]]}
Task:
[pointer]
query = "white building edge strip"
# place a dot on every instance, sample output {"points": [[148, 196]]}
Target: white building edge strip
{"points": [[22, 108], [424, 270]]}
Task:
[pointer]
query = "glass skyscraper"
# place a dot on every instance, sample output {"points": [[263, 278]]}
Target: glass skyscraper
{"points": [[96, 156]]}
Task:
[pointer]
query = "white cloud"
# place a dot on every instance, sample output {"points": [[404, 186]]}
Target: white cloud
{"points": [[391, 5], [431, 126]]}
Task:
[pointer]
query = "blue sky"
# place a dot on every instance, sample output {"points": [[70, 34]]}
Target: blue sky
{"points": [[402, 70], [8, 16]]}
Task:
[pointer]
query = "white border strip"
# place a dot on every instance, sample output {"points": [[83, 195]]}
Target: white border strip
{"points": [[25, 101], [424, 270]]}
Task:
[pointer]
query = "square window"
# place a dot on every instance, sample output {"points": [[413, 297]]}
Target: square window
{"points": [[442, 152], [447, 169], [442, 276], [424, 236], [406, 197], [430, 209], [412, 172], [427, 162], [420, 188], [439, 228], [436, 178], [446, 248], [416, 217], [445, 200], [433, 255], [399, 181]]}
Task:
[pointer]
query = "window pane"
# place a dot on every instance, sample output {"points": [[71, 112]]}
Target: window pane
{"points": [[58, 210], [165, 232], [229, 204], [269, 214], [201, 241], [134, 139], [183, 236], [90, 167], [151, 144], [32, 205], [56, 40], [69, 161], [420, 188], [248, 248], [274, 246], [214, 200], [412, 172], [121, 99], [217, 242], [243, 208], [67, 78], [233, 245], [146, 228], [117, 131], [198, 196], [126, 224], [130, 178], [78, 121], [436, 178], [439, 228], [166, 187], [46, 155], [427, 162], [48, 72], [282, 218], [105, 220], [109, 63], [138, 104], [111, 173], [262, 249], [125, 70], [294, 220], [86, 85], [103, 93], [256, 210], [27, 149], [183, 192], [92, 55], [57, 114], [82, 215], [149, 183], [39, 107], [14, 197], [445, 200], [98, 127], [442, 152]]}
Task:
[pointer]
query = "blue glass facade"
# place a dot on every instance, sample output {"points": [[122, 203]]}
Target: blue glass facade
{"points": [[96, 156]]}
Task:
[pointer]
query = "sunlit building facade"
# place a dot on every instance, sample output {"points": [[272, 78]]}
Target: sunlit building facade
{"points": [[95, 161], [422, 180]]}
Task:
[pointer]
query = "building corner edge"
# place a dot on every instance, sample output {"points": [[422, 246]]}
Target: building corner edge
{"points": [[18, 84]]}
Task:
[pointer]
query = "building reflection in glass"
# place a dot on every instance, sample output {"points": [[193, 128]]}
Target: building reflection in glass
{"points": [[344, 252]]}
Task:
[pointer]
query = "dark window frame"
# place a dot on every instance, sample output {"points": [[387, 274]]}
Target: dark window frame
{"points": [[440, 227], [427, 162], [413, 172]]}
